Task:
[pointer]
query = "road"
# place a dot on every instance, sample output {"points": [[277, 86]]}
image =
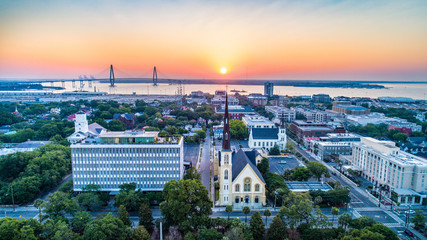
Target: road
{"points": [[205, 163]]}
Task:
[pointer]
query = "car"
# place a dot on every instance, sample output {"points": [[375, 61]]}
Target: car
{"points": [[410, 212], [409, 233]]}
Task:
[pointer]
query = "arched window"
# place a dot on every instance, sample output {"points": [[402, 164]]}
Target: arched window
{"points": [[256, 199], [237, 188], [247, 200], [226, 174], [237, 200], [247, 187], [256, 187], [226, 159]]}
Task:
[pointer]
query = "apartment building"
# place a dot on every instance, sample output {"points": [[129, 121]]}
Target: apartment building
{"points": [[115, 158], [288, 115], [384, 164]]}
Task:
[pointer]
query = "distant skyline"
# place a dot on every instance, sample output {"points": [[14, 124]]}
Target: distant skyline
{"points": [[319, 40]]}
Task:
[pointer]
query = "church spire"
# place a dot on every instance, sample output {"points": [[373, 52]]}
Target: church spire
{"points": [[226, 131]]}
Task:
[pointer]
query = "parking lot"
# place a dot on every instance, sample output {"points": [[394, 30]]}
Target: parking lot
{"points": [[280, 164]]}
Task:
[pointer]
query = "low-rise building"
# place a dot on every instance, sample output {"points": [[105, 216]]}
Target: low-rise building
{"points": [[257, 121], [218, 130], [304, 129], [236, 111], [288, 114], [321, 98], [378, 118], [257, 99], [326, 149], [385, 165], [128, 119], [351, 109], [219, 100]]}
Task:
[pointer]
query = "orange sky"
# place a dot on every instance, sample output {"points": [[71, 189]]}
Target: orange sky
{"points": [[357, 40]]}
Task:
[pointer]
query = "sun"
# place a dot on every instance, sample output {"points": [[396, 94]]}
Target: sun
{"points": [[223, 70]]}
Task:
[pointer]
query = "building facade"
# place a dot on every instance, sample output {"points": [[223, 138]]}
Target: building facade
{"points": [[236, 112], [115, 158], [288, 114], [257, 121], [385, 165]]}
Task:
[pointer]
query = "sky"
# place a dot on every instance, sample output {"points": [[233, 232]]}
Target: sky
{"points": [[323, 40]]}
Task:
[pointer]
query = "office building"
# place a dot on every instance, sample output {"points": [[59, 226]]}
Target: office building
{"points": [[288, 114], [114, 158]]}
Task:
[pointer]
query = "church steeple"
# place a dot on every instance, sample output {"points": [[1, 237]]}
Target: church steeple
{"points": [[226, 132]]}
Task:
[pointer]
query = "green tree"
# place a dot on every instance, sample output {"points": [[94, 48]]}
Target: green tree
{"points": [[400, 137], [190, 236], [317, 169], [277, 229], [201, 133], [105, 228], [362, 222], [275, 150], [318, 199], [80, 221], [238, 130], [257, 226], [146, 217], [301, 174], [300, 211], [116, 125], [320, 220], [124, 216], [264, 166], [129, 197], [384, 230], [334, 211], [209, 234], [141, 234], [89, 200], [186, 203], [267, 213], [419, 220], [57, 230], [290, 147], [59, 204], [38, 204], [193, 174], [246, 210], [344, 219], [229, 209]]}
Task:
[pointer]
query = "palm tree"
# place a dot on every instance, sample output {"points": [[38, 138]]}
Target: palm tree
{"points": [[246, 210], [267, 214], [229, 209], [38, 204], [334, 211]]}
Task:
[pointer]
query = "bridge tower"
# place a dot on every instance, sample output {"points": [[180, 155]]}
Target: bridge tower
{"points": [[112, 79], [155, 76]]}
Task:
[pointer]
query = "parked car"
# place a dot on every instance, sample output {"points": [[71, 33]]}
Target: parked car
{"points": [[410, 212], [409, 233]]}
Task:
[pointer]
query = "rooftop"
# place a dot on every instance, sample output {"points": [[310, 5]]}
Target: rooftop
{"points": [[307, 186], [265, 133], [128, 134], [351, 107]]}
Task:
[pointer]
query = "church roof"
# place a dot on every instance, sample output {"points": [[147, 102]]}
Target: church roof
{"points": [[265, 133], [252, 154], [240, 160]]}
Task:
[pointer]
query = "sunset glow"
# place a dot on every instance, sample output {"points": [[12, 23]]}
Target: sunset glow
{"points": [[223, 70], [354, 40]]}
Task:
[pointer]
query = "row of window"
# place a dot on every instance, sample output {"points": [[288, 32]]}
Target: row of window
{"points": [[125, 150]]}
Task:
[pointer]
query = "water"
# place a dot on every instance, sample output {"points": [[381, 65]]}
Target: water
{"points": [[415, 91]]}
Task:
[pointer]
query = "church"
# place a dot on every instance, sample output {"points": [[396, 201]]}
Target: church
{"points": [[241, 183]]}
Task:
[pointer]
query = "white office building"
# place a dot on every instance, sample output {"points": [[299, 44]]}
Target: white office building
{"points": [[384, 164], [257, 121], [114, 158]]}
